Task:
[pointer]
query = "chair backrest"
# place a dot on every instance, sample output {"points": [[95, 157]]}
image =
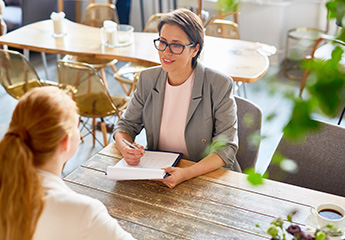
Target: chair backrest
{"points": [[17, 75], [95, 14], [152, 23], [249, 128], [87, 87], [3, 26], [223, 28], [320, 159], [322, 49]]}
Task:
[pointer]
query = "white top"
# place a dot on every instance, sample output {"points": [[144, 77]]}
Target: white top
{"points": [[71, 216], [174, 116]]}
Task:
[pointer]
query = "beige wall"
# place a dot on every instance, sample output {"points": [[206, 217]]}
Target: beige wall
{"points": [[265, 21]]}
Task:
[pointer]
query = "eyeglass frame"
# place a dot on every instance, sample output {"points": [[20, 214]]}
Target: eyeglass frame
{"points": [[169, 44]]}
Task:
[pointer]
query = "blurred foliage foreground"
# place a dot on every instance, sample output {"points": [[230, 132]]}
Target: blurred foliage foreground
{"points": [[325, 86]]}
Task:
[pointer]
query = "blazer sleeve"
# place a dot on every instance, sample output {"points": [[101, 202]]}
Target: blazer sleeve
{"points": [[225, 120]]}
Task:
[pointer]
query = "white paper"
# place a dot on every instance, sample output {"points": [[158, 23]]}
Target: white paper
{"points": [[150, 167]]}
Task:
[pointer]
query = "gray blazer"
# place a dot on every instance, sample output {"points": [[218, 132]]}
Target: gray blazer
{"points": [[212, 112]]}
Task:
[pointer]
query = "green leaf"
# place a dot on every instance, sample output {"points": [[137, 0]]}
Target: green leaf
{"points": [[217, 144], [277, 158], [300, 121], [228, 6], [289, 217], [273, 231], [331, 6], [255, 139], [279, 222], [326, 83], [270, 117], [253, 177], [320, 236], [248, 120]]}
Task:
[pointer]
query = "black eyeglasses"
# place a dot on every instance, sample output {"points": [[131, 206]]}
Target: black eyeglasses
{"points": [[175, 48]]}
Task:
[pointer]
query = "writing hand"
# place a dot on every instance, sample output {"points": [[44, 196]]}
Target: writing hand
{"points": [[131, 155]]}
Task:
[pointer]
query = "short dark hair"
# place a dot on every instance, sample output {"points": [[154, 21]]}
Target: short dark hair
{"points": [[190, 23]]}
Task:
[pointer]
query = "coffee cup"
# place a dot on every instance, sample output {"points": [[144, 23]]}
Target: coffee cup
{"points": [[329, 213], [58, 19], [109, 36]]}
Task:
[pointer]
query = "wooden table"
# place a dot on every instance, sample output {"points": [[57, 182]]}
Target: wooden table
{"points": [[218, 205], [243, 60]]}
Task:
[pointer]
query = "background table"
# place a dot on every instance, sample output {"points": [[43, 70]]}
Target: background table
{"points": [[218, 205], [243, 60]]}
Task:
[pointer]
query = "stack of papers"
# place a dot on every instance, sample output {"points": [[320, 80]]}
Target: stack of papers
{"points": [[150, 166]]}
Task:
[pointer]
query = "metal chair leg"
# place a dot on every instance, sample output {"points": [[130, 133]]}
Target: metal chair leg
{"points": [[44, 60], [93, 131], [341, 116], [237, 88], [244, 90], [26, 53]]}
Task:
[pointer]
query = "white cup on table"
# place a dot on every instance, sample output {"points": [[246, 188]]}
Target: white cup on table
{"points": [[329, 213], [109, 33], [58, 19], [125, 34]]}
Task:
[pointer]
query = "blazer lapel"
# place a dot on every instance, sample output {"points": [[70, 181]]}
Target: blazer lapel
{"points": [[158, 98], [196, 91]]}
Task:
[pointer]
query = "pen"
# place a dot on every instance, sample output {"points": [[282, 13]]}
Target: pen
{"points": [[129, 144]]}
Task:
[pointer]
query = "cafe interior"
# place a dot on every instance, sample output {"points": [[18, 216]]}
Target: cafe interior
{"points": [[263, 45]]}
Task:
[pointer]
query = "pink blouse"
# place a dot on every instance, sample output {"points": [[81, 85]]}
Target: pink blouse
{"points": [[174, 115]]}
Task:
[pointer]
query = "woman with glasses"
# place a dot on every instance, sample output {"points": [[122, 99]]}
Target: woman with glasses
{"points": [[35, 203], [183, 105]]}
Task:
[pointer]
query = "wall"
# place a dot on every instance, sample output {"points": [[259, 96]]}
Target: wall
{"points": [[150, 7], [265, 21], [268, 21]]}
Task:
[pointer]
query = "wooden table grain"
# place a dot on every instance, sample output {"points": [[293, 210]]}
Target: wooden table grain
{"points": [[218, 205], [242, 60]]}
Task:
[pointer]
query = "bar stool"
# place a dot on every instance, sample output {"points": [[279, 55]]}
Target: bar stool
{"points": [[299, 43]]}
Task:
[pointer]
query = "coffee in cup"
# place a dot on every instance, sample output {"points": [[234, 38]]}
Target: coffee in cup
{"points": [[329, 213]]}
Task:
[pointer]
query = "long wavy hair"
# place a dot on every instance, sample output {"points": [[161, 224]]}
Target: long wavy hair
{"points": [[42, 118]]}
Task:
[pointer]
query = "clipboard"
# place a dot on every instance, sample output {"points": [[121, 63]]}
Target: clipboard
{"points": [[150, 166]]}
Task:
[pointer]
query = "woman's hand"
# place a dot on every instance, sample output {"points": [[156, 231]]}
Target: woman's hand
{"points": [[132, 156], [177, 175]]}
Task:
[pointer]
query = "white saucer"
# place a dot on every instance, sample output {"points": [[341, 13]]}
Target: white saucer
{"points": [[121, 44], [312, 225], [61, 35], [311, 222]]}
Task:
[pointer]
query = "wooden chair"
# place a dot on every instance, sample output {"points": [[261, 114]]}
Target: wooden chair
{"points": [[320, 159], [322, 49], [3, 26], [17, 75], [95, 14], [225, 29], [249, 126], [90, 93], [126, 74], [20, 13], [152, 23], [299, 41]]}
